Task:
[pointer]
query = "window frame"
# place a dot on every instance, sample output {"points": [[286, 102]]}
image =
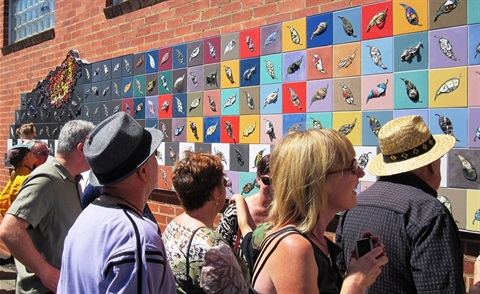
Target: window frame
{"points": [[126, 6], [40, 37], [49, 16]]}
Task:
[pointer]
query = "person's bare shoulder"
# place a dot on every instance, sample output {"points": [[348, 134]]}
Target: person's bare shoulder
{"points": [[293, 269], [294, 251], [294, 245]]}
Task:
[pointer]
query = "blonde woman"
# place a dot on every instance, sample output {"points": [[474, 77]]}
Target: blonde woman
{"points": [[26, 132], [314, 175]]}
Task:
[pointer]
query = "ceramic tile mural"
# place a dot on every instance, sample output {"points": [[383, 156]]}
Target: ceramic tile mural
{"points": [[353, 70]]}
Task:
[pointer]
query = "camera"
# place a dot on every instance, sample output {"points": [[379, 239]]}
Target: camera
{"points": [[364, 246]]}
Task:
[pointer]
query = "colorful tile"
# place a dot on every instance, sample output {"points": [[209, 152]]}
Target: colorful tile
{"points": [[448, 87], [377, 20], [212, 51], [347, 26], [294, 35], [249, 42], [320, 30], [410, 90], [270, 38], [409, 16], [319, 63]]}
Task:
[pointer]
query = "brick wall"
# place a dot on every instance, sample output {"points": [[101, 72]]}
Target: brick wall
{"points": [[82, 25]]}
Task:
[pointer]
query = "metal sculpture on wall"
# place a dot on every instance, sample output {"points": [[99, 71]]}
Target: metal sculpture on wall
{"points": [[52, 101]]}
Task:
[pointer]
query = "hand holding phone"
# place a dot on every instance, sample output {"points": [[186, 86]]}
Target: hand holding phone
{"points": [[363, 246]]}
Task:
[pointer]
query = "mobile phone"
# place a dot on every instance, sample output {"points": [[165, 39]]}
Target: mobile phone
{"points": [[363, 246]]}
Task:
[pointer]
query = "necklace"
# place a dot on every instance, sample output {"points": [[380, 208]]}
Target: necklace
{"points": [[325, 247]]}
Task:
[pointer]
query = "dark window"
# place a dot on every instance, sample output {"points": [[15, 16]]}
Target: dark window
{"points": [[115, 8]]}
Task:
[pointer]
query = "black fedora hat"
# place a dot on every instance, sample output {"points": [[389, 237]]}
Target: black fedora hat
{"points": [[117, 146]]}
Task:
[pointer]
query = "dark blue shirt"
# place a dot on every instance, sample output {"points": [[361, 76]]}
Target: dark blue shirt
{"points": [[421, 238]]}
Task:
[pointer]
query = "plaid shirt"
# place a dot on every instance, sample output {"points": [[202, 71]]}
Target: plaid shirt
{"points": [[421, 238]]}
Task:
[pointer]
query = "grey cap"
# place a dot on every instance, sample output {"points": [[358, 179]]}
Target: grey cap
{"points": [[117, 146]]}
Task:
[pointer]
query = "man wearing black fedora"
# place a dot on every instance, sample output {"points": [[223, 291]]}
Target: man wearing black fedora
{"points": [[47, 205], [420, 236], [111, 247]]}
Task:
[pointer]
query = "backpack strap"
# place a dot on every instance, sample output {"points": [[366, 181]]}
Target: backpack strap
{"points": [[267, 249]]}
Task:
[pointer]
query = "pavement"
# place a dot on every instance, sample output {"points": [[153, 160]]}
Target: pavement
{"points": [[8, 274]]}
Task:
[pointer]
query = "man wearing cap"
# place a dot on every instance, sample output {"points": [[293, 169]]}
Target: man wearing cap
{"points": [[47, 205], [111, 248], [420, 236]]}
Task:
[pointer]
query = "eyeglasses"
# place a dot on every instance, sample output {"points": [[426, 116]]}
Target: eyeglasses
{"points": [[43, 153], [355, 166], [267, 181]]}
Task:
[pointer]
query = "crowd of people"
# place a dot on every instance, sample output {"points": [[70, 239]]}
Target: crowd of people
{"points": [[107, 240]]}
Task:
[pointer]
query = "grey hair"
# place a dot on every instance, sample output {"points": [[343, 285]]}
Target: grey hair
{"points": [[73, 133]]}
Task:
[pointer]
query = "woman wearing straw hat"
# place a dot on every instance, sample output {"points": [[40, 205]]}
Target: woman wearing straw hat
{"points": [[419, 233]]}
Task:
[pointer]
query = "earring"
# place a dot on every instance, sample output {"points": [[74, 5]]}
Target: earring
{"points": [[216, 202]]}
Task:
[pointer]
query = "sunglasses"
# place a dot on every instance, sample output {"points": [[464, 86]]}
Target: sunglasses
{"points": [[226, 181], [43, 153], [355, 166], [267, 181]]}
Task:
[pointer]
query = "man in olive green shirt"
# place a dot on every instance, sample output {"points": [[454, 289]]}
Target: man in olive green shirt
{"points": [[47, 205]]}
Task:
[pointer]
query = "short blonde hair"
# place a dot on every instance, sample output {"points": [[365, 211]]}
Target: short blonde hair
{"points": [[299, 164]]}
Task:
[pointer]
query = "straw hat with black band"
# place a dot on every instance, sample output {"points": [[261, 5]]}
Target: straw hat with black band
{"points": [[407, 144]]}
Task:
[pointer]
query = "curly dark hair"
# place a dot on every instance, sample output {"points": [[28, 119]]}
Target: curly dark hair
{"points": [[16, 156], [195, 176]]}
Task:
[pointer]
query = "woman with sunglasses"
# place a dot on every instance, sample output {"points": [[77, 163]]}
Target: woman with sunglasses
{"points": [[258, 205], [22, 160], [314, 175], [196, 253]]}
